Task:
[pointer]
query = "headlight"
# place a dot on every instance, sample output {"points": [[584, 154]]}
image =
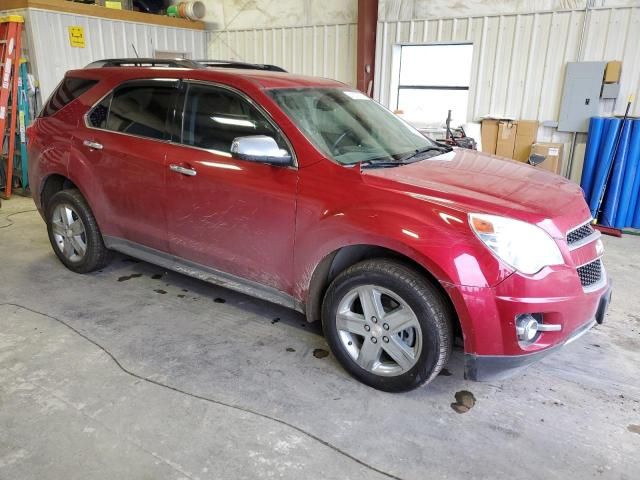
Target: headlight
{"points": [[525, 247]]}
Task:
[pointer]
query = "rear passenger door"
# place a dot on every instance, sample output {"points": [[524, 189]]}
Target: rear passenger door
{"points": [[233, 215], [124, 142]]}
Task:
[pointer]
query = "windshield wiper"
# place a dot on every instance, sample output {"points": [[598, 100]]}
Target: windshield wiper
{"points": [[419, 151], [379, 164]]}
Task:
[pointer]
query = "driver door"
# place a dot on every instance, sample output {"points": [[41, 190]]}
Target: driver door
{"points": [[233, 215]]}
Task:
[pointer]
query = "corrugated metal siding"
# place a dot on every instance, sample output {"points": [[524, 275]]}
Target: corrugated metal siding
{"points": [[320, 50], [49, 42], [519, 60]]}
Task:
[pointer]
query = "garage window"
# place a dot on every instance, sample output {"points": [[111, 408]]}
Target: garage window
{"points": [[432, 80]]}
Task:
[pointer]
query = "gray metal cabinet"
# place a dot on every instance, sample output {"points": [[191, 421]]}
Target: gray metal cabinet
{"points": [[581, 95]]}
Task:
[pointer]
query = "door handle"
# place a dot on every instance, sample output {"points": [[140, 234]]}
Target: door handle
{"points": [[183, 170], [93, 145]]}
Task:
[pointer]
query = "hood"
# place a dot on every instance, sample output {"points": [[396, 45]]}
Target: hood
{"points": [[471, 181]]}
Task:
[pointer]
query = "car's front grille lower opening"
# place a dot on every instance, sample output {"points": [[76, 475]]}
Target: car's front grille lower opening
{"points": [[577, 234], [590, 274]]}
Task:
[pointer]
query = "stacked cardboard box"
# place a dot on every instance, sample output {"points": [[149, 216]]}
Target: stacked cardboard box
{"points": [[509, 138], [552, 153]]}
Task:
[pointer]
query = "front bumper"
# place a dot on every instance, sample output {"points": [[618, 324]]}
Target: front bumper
{"points": [[497, 367]]}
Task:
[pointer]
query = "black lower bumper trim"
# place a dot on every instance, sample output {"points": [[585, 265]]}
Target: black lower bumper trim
{"points": [[497, 367]]}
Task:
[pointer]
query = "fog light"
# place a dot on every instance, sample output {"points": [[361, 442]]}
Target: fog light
{"points": [[526, 327]]}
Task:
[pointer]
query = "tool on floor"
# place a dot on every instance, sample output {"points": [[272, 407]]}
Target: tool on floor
{"points": [[616, 232], [10, 37]]}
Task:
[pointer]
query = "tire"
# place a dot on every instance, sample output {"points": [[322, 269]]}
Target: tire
{"points": [[398, 359], [74, 233]]}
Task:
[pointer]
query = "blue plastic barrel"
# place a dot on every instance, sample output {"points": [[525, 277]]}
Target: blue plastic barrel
{"points": [[596, 129], [614, 184], [607, 144], [631, 180]]}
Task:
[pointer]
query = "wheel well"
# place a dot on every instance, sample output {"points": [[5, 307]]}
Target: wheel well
{"points": [[339, 260], [52, 185]]}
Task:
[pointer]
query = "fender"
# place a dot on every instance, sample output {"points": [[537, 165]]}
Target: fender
{"points": [[455, 260]]}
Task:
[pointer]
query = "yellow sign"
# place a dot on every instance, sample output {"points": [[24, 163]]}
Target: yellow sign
{"points": [[76, 37], [114, 5]]}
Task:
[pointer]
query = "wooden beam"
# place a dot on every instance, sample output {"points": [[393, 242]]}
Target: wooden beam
{"points": [[102, 12], [366, 46]]}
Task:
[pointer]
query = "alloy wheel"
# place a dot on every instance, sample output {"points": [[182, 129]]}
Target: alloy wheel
{"points": [[379, 330], [69, 232]]}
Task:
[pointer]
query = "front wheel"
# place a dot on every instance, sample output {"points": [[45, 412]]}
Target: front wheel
{"points": [[387, 325]]}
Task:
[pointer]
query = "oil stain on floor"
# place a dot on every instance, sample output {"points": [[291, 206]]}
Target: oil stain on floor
{"points": [[129, 277], [464, 401], [320, 353]]}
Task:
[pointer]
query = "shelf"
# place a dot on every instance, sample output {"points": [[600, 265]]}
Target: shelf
{"points": [[102, 12]]}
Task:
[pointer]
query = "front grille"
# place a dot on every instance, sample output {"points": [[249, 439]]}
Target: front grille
{"points": [[579, 233], [590, 274]]}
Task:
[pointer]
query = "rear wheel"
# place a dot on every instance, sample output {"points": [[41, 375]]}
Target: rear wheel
{"points": [[387, 325], [74, 233]]}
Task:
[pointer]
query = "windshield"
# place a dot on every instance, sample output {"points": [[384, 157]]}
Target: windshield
{"points": [[349, 127]]}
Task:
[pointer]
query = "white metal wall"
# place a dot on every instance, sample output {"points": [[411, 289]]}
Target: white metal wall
{"points": [[320, 50], [48, 42], [519, 60]]}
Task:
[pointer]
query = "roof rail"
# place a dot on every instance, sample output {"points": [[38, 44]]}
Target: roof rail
{"points": [[241, 65], [145, 62]]}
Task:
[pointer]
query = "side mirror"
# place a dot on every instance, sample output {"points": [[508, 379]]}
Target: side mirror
{"points": [[259, 148]]}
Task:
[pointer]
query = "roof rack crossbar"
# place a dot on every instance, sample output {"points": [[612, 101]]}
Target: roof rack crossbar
{"points": [[241, 65], [145, 62]]}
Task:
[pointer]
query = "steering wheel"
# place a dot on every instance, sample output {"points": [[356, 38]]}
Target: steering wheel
{"points": [[342, 136]]}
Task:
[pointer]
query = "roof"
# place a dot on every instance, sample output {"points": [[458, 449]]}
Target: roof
{"points": [[261, 79]]}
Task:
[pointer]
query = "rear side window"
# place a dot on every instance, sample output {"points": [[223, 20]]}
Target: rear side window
{"points": [[69, 89], [136, 109]]}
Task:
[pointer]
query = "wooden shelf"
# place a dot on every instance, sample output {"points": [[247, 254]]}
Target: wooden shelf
{"points": [[102, 12]]}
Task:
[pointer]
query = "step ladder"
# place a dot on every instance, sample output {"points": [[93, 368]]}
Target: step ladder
{"points": [[20, 164], [10, 38]]}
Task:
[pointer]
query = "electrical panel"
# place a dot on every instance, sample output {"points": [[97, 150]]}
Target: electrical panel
{"points": [[581, 95]]}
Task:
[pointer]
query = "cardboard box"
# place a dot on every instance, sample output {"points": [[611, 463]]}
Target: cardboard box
{"points": [[552, 153], [506, 139], [489, 135], [526, 134], [612, 72]]}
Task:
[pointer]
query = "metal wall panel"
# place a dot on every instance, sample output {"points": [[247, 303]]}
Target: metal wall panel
{"points": [[519, 60], [49, 46], [319, 50]]}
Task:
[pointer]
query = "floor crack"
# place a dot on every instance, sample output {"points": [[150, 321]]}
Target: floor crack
{"points": [[240, 408]]}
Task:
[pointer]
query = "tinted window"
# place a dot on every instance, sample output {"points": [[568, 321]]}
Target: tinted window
{"points": [[99, 114], [214, 116], [138, 110], [69, 89]]}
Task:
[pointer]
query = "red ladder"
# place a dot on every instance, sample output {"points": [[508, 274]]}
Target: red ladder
{"points": [[10, 37]]}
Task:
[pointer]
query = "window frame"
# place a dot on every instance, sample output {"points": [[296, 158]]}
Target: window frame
{"points": [[180, 117], [396, 86], [153, 81]]}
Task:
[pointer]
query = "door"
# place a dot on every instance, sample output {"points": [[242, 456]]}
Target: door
{"points": [[233, 215], [125, 142]]}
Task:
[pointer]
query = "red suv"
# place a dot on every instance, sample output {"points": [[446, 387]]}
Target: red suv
{"points": [[304, 192]]}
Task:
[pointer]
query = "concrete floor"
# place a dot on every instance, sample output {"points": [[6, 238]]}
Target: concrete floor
{"points": [[134, 372]]}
